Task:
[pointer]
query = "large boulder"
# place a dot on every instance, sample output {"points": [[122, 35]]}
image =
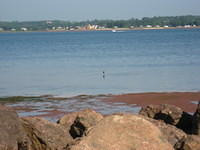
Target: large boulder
{"points": [[123, 132], [173, 135], [46, 135], [196, 121], [77, 123], [12, 133], [169, 114]]}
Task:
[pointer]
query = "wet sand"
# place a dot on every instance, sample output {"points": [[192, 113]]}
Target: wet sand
{"points": [[184, 100], [52, 108]]}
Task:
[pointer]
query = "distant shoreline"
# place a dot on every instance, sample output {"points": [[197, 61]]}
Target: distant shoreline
{"points": [[106, 29]]}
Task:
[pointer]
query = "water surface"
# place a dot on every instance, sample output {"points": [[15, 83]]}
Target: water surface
{"points": [[71, 63]]}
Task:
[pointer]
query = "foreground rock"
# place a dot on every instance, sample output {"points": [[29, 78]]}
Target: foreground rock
{"points": [[192, 142], [173, 135], [12, 134], [89, 130], [196, 121], [45, 135], [77, 123], [123, 132]]}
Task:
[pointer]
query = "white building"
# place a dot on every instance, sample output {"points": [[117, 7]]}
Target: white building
{"points": [[148, 26], [13, 29], [60, 28], [187, 26], [24, 29]]}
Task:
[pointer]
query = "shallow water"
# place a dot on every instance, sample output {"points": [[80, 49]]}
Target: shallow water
{"points": [[53, 108], [71, 63]]}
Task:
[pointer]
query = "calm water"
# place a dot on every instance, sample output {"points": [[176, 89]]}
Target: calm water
{"points": [[72, 63]]}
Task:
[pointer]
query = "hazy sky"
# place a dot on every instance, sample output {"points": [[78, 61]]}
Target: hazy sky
{"points": [[76, 10]]}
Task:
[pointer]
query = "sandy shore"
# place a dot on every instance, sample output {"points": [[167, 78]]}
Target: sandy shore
{"points": [[184, 100]]}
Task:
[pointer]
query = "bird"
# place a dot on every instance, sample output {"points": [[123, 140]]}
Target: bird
{"points": [[103, 75]]}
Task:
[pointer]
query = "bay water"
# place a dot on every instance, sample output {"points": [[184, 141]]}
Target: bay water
{"points": [[72, 63]]}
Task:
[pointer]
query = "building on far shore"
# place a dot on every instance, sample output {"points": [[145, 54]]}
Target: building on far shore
{"points": [[91, 27], [187, 26], [59, 28], [13, 29], [1, 29], [24, 29], [157, 26], [148, 26], [101, 27]]}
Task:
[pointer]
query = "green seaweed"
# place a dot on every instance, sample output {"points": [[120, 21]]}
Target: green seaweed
{"points": [[15, 99]]}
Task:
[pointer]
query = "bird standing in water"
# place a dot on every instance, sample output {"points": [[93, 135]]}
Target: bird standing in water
{"points": [[103, 75]]}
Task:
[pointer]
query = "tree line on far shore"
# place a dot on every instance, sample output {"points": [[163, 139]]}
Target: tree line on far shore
{"points": [[170, 21]]}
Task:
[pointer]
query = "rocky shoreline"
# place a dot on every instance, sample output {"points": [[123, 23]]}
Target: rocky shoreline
{"points": [[156, 127]]}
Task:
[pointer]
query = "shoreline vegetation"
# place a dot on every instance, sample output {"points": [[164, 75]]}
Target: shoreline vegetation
{"points": [[149, 23]]}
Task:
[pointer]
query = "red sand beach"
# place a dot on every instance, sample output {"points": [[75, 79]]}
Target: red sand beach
{"points": [[180, 99]]}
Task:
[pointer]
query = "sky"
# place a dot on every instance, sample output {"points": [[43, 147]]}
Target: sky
{"points": [[79, 10]]}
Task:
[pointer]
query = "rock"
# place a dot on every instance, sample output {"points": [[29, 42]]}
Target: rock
{"points": [[185, 123], [77, 123], [192, 142], [168, 113], [12, 133], [173, 135], [123, 132], [46, 135], [196, 121]]}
